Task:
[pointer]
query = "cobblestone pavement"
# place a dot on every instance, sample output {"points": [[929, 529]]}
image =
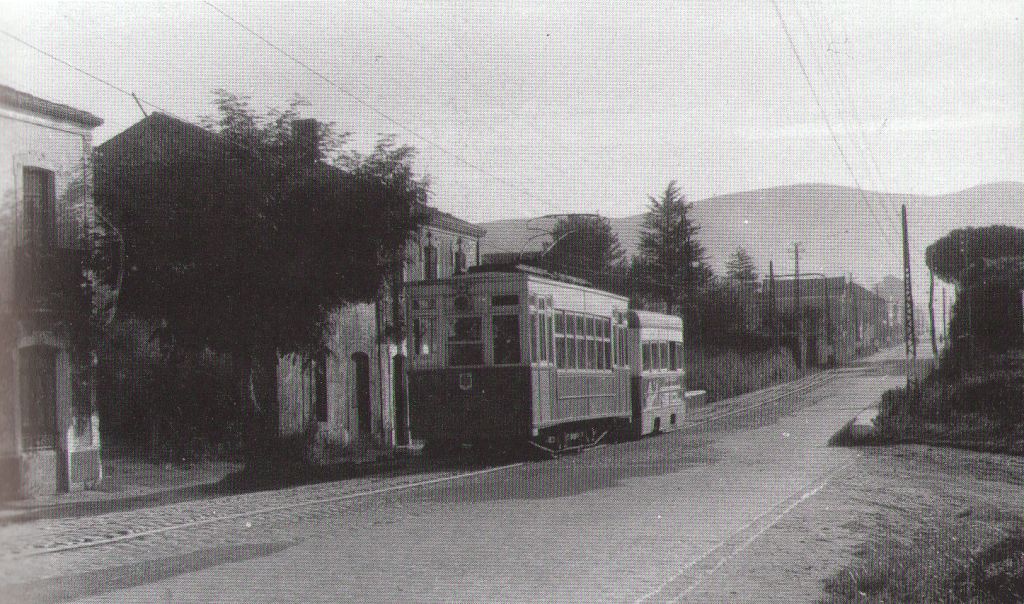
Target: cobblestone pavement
{"points": [[48, 548]]}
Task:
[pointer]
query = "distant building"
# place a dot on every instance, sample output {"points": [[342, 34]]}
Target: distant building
{"points": [[49, 429], [840, 318]]}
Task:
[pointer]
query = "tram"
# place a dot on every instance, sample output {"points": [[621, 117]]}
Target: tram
{"points": [[506, 354]]}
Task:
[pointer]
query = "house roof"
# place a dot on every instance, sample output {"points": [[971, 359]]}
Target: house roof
{"points": [[22, 101], [449, 222], [159, 134], [156, 135]]}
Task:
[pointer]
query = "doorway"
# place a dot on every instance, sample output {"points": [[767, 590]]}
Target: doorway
{"points": [[363, 413]]}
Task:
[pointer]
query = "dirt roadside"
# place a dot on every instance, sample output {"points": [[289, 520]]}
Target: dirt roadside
{"points": [[945, 504]]}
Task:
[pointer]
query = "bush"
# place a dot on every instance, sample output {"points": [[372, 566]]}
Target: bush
{"points": [[727, 373]]}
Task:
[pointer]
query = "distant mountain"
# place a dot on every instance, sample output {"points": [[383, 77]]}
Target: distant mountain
{"points": [[841, 229]]}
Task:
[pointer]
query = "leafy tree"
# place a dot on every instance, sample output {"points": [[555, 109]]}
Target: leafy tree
{"points": [[244, 241], [741, 267], [948, 261], [671, 265], [585, 247]]}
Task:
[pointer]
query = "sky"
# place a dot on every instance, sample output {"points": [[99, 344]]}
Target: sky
{"points": [[527, 108]]}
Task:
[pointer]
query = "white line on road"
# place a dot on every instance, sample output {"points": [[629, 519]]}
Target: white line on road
{"points": [[809, 491], [256, 512]]}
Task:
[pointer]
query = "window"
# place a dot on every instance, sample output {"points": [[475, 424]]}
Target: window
{"points": [[561, 360], [581, 343], [38, 376], [506, 339], [460, 258], [535, 337], [543, 328], [423, 335], [507, 300], [465, 345], [647, 355], [40, 206], [664, 355], [429, 260], [673, 356], [570, 342]]}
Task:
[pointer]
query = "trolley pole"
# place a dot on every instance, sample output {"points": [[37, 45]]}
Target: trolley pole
{"points": [[909, 334]]}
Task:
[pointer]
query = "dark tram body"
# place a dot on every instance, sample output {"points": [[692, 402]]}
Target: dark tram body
{"points": [[520, 354]]}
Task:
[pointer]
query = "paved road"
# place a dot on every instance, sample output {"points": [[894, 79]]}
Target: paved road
{"points": [[651, 520]]}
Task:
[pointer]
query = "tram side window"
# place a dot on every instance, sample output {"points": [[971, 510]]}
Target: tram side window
{"points": [[465, 346], [535, 337], [664, 355], [647, 355], [607, 344], [544, 346], [560, 357], [591, 343], [673, 354], [506, 339], [581, 343], [570, 341]]}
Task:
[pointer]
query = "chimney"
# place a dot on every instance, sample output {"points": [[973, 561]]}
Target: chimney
{"points": [[306, 133]]}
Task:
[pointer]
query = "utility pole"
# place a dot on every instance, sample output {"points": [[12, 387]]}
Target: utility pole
{"points": [[945, 323], [965, 289], [773, 323], [931, 314], [910, 335], [796, 302]]}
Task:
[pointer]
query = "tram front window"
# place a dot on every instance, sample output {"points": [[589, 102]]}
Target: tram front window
{"points": [[465, 346], [506, 339]]}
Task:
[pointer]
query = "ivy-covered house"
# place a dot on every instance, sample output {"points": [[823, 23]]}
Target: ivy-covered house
{"points": [[49, 430]]}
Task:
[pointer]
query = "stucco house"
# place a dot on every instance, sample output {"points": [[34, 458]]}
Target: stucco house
{"points": [[49, 429]]}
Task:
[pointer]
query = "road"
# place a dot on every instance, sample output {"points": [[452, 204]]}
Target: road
{"points": [[648, 521]]}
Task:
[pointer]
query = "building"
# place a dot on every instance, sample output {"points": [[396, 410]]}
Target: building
{"points": [[49, 429], [352, 393], [840, 319], [356, 392]]}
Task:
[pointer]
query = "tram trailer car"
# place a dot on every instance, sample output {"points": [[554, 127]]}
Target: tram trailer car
{"points": [[515, 354]]}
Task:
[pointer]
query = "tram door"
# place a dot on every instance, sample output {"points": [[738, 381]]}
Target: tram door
{"points": [[362, 367]]}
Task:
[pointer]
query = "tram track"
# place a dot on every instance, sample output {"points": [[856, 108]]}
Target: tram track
{"points": [[779, 393], [787, 390]]}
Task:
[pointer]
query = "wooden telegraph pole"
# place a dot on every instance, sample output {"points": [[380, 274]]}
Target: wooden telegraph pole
{"points": [[931, 314], [909, 334]]}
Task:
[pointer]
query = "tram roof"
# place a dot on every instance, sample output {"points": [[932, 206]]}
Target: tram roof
{"points": [[646, 318], [529, 270]]}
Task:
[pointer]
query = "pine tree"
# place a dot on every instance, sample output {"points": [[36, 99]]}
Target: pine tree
{"points": [[586, 247], [741, 267], [671, 265]]}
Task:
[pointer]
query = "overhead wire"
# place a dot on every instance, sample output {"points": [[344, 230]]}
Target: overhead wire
{"points": [[371, 107], [828, 123], [831, 58]]}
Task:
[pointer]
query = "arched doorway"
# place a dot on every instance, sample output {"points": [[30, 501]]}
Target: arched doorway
{"points": [[362, 374]]}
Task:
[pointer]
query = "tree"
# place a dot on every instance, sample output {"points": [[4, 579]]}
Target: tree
{"points": [[245, 240], [949, 261], [671, 264], [586, 247], [741, 267]]}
